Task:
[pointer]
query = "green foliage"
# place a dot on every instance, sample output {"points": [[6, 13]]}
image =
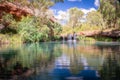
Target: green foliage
{"points": [[66, 30], [93, 39], [86, 27], [57, 28], [7, 20], [10, 39], [32, 28], [29, 31], [83, 27], [54, 29], [75, 16], [110, 11], [57, 31], [44, 33], [96, 20], [89, 39]]}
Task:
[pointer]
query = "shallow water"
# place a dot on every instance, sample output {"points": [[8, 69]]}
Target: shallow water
{"points": [[60, 61]]}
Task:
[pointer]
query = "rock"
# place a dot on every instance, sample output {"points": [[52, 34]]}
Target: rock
{"points": [[115, 34], [111, 34], [14, 9]]}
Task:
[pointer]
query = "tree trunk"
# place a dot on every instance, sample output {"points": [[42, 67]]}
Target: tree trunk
{"points": [[51, 34]]}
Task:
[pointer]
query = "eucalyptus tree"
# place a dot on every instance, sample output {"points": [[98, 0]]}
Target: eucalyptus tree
{"points": [[75, 16], [96, 20], [110, 11], [117, 18]]}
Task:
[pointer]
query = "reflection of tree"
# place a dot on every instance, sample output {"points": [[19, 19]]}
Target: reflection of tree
{"points": [[107, 47], [37, 56], [111, 68], [8, 54], [72, 51], [5, 62]]}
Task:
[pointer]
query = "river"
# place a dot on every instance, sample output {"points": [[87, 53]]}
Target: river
{"points": [[60, 61]]}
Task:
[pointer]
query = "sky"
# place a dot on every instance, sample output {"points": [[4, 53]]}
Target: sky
{"points": [[61, 9]]}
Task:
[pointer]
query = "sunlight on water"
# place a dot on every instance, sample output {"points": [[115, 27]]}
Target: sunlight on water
{"points": [[60, 61]]}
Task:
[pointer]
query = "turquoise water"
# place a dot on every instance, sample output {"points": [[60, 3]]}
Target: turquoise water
{"points": [[60, 61]]}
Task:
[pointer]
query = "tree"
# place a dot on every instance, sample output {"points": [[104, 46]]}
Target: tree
{"points": [[75, 16], [117, 12], [6, 21], [110, 11], [95, 18], [37, 8], [37, 26], [28, 30], [54, 29]]}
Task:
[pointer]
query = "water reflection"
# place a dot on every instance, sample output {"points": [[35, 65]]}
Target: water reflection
{"points": [[111, 67], [5, 63], [60, 61], [62, 68]]}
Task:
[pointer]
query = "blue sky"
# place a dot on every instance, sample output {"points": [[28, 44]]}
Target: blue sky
{"points": [[60, 9], [86, 4]]}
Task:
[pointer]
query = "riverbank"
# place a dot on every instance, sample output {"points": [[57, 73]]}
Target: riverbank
{"points": [[94, 35], [105, 33], [98, 35]]}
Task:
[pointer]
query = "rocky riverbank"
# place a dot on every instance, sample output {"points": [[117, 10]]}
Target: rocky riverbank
{"points": [[109, 33]]}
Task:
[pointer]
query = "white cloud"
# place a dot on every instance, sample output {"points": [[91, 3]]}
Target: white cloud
{"points": [[97, 3], [63, 16], [54, 11], [74, 0], [87, 10]]}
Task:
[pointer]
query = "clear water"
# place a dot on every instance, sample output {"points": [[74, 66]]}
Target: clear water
{"points": [[60, 61]]}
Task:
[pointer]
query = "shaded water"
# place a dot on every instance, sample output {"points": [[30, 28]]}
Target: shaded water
{"points": [[60, 61]]}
